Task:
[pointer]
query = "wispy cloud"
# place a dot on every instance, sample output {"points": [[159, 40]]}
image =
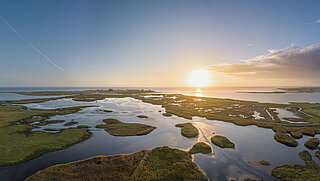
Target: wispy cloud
{"points": [[314, 22], [293, 63], [30, 44], [250, 44]]}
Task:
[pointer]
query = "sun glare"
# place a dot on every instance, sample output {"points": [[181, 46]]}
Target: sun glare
{"points": [[199, 78]]}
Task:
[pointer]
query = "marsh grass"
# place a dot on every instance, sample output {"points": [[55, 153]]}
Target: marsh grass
{"points": [[188, 130], [19, 143], [311, 171], [117, 128], [222, 142], [200, 147], [161, 163]]}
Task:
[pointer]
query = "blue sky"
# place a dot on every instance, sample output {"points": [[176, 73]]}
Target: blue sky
{"points": [[146, 43]]}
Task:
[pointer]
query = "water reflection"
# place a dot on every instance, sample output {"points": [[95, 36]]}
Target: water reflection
{"points": [[198, 92]]}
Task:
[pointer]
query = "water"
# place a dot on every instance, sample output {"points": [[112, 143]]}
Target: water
{"points": [[239, 93], [252, 143]]}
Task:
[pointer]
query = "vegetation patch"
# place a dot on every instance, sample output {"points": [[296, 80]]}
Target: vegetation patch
{"points": [[188, 130], [142, 116], [222, 142], [117, 128], [264, 162], [85, 99], [107, 110], [49, 122], [51, 129], [312, 143], [286, 139], [296, 134], [200, 147], [19, 143], [311, 171], [161, 163], [317, 154], [82, 126], [71, 123], [167, 114], [37, 100]]}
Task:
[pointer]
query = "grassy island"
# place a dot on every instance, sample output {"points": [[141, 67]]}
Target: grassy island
{"points": [[71, 123], [311, 171], [200, 147], [161, 163], [222, 142], [286, 139], [142, 116], [117, 128], [188, 130], [19, 143], [83, 126], [312, 143], [49, 122], [167, 114], [264, 162]]}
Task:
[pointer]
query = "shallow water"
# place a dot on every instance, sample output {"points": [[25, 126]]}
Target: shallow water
{"points": [[239, 93], [232, 93], [252, 143]]}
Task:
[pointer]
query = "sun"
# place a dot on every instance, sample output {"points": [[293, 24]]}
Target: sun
{"points": [[199, 78]]}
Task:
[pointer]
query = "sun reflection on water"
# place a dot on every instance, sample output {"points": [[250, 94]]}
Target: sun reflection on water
{"points": [[198, 92]]}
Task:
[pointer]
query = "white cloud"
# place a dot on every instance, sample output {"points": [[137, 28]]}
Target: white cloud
{"points": [[293, 63]]}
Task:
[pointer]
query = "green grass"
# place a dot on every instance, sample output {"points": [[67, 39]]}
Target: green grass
{"points": [[117, 128], [312, 111], [200, 147], [49, 122], [19, 144], [87, 99], [312, 143], [188, 130], [161, 163], [82, 126], [37, 100], [71, 123], [310, 172], [222, 142]]}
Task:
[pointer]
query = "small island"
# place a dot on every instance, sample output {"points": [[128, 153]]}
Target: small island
{"points": [[264, 162], [311, 171], [286, 139], [200, 147], [222, 142], [312, 143], [188, 130], [142, 116], [117, 128], [161, 163]]}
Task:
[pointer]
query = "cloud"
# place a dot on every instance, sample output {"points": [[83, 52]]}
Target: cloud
{"points": [[290, 63], [250, 44], [314, 22]]}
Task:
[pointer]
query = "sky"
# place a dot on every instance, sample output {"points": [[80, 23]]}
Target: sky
{"points": [[149, 43]]}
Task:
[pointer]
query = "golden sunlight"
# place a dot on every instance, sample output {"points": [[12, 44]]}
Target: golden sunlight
{"points": [[199, 78]]}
